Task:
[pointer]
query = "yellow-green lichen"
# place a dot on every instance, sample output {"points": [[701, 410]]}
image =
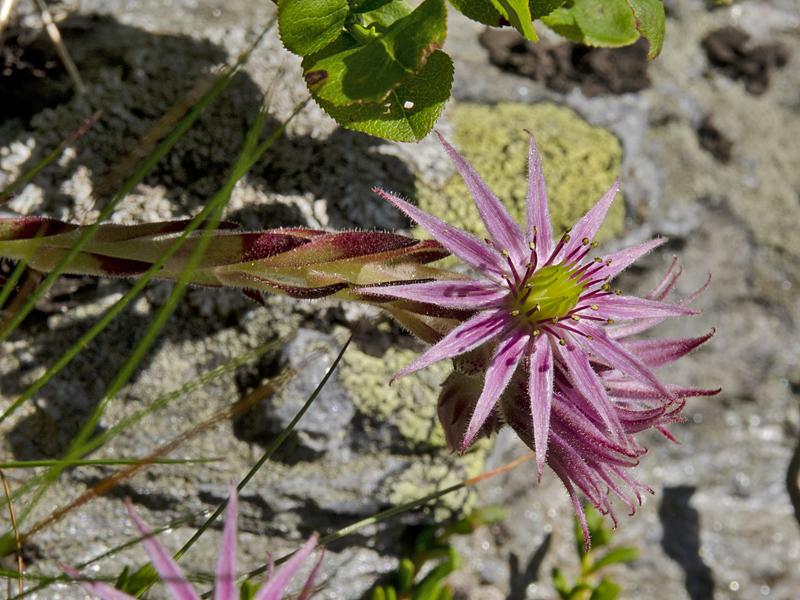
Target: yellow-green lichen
{"points": [[409, 404], [428, 475], [580, 163]]}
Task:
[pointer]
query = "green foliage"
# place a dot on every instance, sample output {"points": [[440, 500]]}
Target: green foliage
{"points": [[377, 66], [651, 23], [310, 26], [518, 13], [432, 544], [592, 561], [610, 23]]}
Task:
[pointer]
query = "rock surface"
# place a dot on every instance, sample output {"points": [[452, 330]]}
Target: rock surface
{"points": [[720, 524]]}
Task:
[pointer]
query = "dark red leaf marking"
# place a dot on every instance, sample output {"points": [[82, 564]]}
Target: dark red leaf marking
{"points": [[259, 245], [31, 227], [121, 267]]}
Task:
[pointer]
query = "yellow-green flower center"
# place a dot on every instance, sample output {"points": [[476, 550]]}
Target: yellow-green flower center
{"points": [[550, 293]]}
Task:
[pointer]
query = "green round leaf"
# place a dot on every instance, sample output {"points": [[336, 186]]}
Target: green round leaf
{"points": [[651, 22], [409, 112], [481, 11], [347, 72], [306, 27]]}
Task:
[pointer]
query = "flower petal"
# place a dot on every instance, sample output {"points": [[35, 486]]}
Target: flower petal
{"points": [[656, 353], [585, 380], [471, 333], [308, 588], [538, 211], [667, 282], [505, 361], [225, 588], [619, 261], [171, 574], [564, 475], [97, 588], [540, 391], [275, 587], [587, 226], [503, 229], [621, 358], [631, 307], [454, 294], [460, 243], [629, 329], [636, 391]]}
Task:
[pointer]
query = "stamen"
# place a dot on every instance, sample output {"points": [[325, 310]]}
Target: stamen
{"points": [[594, 307], [585, 241], [535, 309]]}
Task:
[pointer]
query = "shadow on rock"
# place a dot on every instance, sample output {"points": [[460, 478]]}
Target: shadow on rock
{"points": [[65, 402], [521, 578], [135, 77], [681, 540]]}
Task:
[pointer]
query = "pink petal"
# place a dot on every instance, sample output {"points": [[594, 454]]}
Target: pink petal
{"points": [[167, 568], [470, 334], [275, 587], [582, 375], [629, 329], [503, 229], [588, 225], [538, 211], [97, 588], [460, 243], [624, 258], [667, 282], [632, 307], [225, 588], [620, 358], [540, 391], [504, 363], [637, 391], [656, 353], [454, 294], [564, 475], [308, 588]]}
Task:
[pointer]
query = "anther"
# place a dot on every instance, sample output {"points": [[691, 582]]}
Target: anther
{"points": [[595, 244], [514, 313], [585, 241], [594, 307], [618, 292], [536, 332], [566, 237], [610, 321], [555, 320], [505, 252], [605, 287], [608, 261], [598, 259], [562, 342], [531, 245], [576, 318]]}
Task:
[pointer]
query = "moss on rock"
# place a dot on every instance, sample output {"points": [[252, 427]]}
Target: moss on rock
{"points": [[580, 163], [409, 405]]}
